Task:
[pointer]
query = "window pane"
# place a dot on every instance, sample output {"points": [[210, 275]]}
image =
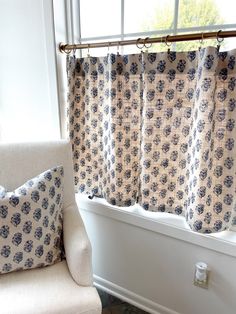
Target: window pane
{"points": [[149, 15], [100, 18], [228, 44], [193, 13], [227, 10]]}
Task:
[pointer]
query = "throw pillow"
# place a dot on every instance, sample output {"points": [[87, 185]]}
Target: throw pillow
{"points": [[31, 223]]}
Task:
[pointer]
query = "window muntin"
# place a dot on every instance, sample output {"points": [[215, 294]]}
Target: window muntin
{"points": [[129, 19]]}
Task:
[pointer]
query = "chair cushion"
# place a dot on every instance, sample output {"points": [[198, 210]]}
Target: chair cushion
{"points": [[48, 290], [31, 223]]}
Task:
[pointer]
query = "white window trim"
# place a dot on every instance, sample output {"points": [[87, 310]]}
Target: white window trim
{"points": [[164, 223]]}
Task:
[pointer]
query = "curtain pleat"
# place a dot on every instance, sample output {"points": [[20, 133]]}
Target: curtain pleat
{"points": [[212, 198], [157, 129], [104, 126], [170, 80]]}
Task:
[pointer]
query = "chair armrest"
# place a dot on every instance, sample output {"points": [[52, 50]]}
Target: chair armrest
{"points": [[77, 246]]}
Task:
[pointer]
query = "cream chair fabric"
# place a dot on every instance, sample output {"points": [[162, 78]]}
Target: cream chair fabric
{"points": [[65, 287]]}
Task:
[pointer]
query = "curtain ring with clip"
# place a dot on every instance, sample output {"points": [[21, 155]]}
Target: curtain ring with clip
{"points": [[201, 41], [108, 47], [168, 45], [145, 43], [138, 45], [166, 41], [118, 48], [218, 40], [217, 37], [88, 55]]}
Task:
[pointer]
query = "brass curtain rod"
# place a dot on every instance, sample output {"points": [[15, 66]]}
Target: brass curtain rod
{"points": [[67, 48]]}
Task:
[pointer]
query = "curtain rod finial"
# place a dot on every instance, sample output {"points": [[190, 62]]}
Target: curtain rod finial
{"points": [[62, 47]]}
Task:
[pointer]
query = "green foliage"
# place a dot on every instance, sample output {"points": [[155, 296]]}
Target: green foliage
{"points": [[192, 13]]}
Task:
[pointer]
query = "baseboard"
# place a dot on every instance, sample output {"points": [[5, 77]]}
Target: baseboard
{"points": [[131, 297]]}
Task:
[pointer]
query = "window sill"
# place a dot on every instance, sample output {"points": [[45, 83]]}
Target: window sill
{"points": [[163, 223]]}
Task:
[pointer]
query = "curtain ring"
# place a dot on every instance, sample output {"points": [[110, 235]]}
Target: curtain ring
{"points": [[137, 44], [166, 41], [217, 37], [150, 45]]}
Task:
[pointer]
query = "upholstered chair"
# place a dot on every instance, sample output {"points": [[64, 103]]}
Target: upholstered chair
{"points": [[66, 286]]}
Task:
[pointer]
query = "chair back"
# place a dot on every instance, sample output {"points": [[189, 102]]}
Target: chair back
{"points": [[20, 162]]}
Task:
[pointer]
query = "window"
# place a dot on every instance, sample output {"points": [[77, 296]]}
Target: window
{"points": [[106, 20]]}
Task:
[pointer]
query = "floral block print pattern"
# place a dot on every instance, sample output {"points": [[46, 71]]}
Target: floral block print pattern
{"points": [[157, 129], [105, 124], [31, 223]]}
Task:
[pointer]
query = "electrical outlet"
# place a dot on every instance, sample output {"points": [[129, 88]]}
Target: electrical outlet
{"points": [[201, 275]]}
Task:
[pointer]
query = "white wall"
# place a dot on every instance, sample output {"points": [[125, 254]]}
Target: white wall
{"points": [[63, 35], [28, 81], [151, 263]]}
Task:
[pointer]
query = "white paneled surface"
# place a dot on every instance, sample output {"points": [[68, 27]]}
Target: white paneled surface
{"points": [[151, 264], [28, 91]]}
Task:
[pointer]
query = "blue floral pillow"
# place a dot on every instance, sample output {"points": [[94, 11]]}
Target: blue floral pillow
{"points": [[31, 223]]}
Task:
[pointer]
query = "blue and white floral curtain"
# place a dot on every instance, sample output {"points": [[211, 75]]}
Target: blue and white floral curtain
{"points": [[157, 129]]}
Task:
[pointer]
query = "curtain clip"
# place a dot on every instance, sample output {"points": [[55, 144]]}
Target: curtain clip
{"points": [[201, 42], [88, 55], [91, 196], [118, 48], [108, 47]]}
